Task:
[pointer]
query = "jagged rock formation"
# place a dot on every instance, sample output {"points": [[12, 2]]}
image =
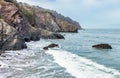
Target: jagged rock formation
{"points": [[9, 38], [26, 23]]}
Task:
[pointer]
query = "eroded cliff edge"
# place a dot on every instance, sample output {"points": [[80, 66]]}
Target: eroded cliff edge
{"points": [[20, 23]]}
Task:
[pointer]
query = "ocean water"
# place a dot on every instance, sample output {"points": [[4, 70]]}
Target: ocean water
{"points": [[75, 57]]}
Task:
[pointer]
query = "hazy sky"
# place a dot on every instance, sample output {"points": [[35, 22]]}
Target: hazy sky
{"points": [[89, 13]]}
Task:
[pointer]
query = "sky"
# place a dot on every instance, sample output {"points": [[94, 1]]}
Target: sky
{"points": [[89, 13]]}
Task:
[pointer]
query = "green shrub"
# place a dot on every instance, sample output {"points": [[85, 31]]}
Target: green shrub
{"points": [[29, 15], [26, 13], [0, 17], [15, 3]]}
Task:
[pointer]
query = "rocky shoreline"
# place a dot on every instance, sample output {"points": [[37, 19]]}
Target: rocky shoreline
{"points": [[21, 22]]}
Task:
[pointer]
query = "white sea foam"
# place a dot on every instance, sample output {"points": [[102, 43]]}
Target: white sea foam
{"points": [[2, 64], [33, 59], [81, 67], [32, 62]]}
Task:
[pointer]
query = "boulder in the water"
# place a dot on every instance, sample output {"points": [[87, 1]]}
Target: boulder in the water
{"points": [[102, 46], [45, 48], [50, 46]]}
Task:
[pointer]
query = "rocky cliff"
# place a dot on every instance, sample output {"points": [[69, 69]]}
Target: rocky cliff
{"points": [[20, 23], [9, 37], [49, 19]]}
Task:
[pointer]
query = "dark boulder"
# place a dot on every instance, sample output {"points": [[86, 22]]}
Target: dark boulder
{"points": [[57, 36], [45, 48], [50, 46], [27, 39], [102, 46], [53, 36], [13, 44]]}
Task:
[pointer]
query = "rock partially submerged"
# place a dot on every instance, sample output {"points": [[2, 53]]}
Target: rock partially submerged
{"points": [[58, 36], [50, 46], [53, 36], [102, 46]]}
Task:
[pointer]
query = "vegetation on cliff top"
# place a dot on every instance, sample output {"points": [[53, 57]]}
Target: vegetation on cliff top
{"points": [[0, 17], [30, 14]]}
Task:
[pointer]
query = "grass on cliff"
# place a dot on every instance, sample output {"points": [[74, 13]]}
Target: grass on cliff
{"points": [[24, 11], [0, 17], [30, 15], [27, 13], [15, 3]]}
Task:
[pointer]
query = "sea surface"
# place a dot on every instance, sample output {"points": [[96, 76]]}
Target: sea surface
{"points": [[74, 58]]}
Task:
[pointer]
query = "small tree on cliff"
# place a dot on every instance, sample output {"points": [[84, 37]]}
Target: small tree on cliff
{"points": [[34, 17], [0, 17]]}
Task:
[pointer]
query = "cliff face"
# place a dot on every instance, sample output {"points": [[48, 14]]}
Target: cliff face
{"points": [[30, 23], [12, 15], [9, 37], [50, 20]]}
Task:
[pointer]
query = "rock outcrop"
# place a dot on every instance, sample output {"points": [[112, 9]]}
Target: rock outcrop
{"points": [[23, 23], [9, 38], [102, 46]]}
